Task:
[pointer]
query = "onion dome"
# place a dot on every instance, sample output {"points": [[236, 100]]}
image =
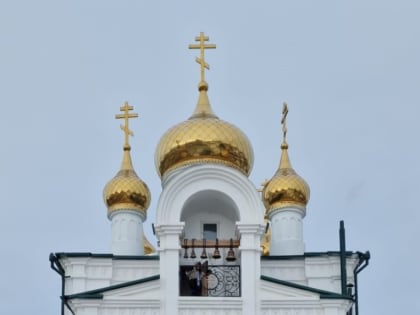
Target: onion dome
{"points": [[204, 138], [126, 191], [286, 187]]}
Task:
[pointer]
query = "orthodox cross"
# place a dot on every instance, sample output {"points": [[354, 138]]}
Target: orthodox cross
{"points": [[283, 121], [126, 116], [202, 45]]}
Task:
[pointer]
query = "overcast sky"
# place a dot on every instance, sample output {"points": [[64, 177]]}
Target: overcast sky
{"points": [[349, 70]]}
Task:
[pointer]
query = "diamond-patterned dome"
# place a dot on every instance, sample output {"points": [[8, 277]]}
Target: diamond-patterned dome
{"points": [[126, 191], [285, 188], [204, 138]]}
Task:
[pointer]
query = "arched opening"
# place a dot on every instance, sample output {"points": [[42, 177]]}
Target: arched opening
{"points": [[209, 207], [209, 264]]}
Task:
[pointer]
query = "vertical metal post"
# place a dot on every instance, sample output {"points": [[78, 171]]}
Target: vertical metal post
{"points": [[349, 293], [343, 259]]}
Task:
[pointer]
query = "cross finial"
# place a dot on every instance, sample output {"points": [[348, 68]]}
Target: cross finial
{"points": [[283, 122], [126, 116], [201, 61]]}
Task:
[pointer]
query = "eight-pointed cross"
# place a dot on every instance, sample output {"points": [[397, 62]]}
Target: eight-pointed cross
{"points": [[202, 45], [126, 108]]}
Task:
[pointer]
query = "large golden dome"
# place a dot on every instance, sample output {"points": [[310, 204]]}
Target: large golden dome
{"points": [[126, 191], [204, 138], [286, 187]]}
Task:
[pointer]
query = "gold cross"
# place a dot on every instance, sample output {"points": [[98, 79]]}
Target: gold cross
{"points": [[126, 108], [283, 121], [202, 39]]}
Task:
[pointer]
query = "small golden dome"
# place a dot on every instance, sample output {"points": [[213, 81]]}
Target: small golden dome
{"points": [[126, 191], [286, 188], [204, 138]]}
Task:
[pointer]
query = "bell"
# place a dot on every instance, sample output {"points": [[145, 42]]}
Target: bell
{"points": [[186, 246], [216, 253], [192, 250], [231, 254], [203, 253]]}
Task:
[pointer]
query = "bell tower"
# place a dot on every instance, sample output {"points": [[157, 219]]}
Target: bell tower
{"points": [[208, 210], [223, 246]]}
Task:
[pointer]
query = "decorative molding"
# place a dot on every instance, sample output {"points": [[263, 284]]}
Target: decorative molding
{"points": [[182, 185]]}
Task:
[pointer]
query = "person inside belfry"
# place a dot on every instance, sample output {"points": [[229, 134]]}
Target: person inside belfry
{"points": [[194, 279], [191, 274], [197, 291], [205, 283]]}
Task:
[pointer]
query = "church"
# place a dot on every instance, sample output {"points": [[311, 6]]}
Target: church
{"points": [[224, 245]]}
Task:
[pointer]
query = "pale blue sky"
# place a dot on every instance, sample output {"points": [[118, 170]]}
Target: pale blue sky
{"points": [[350, 72]]}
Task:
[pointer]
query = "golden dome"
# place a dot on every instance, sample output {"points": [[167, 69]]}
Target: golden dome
{"points": [[126, 191], [286, 187], [204, 138]]}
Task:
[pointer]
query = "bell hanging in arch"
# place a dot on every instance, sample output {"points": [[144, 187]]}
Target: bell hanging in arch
{"points": [[192, 256], [231, 254], [185, 246], [203, 253], [216, 253]]}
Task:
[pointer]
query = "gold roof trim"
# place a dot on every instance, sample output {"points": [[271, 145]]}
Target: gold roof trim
{"points": [[265, 242], [147, 246]]}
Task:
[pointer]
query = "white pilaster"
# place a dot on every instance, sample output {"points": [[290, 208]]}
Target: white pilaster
{"points": [[287, 231], [169, 249], [127, 232], [250, 266]]}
